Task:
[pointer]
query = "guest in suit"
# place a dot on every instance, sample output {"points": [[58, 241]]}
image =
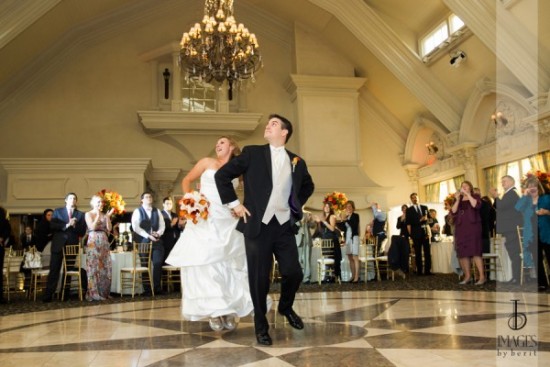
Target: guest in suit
{"points": [[27, 238], [148, 226], [5, 232], [467, 221], [276, 186], [487, 213], [507, 221], [417, 217], [435, 229], [172, 228], [44, 233], [68, 226]]}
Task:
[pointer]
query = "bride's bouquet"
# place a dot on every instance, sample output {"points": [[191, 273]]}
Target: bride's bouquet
{"points": [[112, 200], [194, 206]]}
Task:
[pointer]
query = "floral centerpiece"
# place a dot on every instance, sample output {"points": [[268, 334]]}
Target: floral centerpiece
{"points": [[194, 206], [540, 175], [449, 200], [336, 200], [112, 200]]}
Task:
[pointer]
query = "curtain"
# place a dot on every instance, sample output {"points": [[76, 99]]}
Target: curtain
{"points": [[491, 177], [537, 163], [458, 180], [432, 192]]}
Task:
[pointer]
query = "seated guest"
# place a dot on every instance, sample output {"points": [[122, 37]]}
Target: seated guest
{"points": [[434, 225], [44, 232], [448, 227], [28, 240], [379, 225]]}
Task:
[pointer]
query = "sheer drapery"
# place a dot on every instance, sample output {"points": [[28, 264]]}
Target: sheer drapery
{"points": [[432, 192], [458, 180]]}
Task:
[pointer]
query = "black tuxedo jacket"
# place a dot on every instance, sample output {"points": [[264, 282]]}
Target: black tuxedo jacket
{"points": [[254, 164], [507, 216], [26, 243], [61, 234], [413, 219], [171, 233]]}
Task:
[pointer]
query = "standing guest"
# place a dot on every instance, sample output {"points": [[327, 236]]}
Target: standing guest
{"points": [[507, 221], [487, 221], [527, 206], [448, 227], [402, 222], [543, 216], [326, 225], [171, 226], [98, 256], [468, 231], [44, 233], [417, 218], [379, 225], [5, 232], [434, 225], [148, 226], [27, 238], [68, 226], [276, 186], [351, 222], [304, 241]]}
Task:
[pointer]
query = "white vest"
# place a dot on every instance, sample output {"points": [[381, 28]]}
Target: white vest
{"points": [[278, 201]]}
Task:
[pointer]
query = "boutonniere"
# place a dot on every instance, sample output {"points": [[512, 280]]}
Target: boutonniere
{"points": [[295, 161]]}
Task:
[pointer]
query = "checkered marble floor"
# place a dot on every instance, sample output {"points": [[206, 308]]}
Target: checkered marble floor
{"points": [[376, 328]]}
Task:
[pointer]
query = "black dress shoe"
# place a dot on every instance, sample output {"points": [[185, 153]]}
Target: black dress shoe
{"points": [[294, 320], [264, 339], [47, 299], [428, 273]]}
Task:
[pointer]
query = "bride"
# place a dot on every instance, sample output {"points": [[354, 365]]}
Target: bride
{"points": [[211, 253]]}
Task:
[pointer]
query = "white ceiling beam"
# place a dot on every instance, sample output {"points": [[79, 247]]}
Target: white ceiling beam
{"points": [[507, 38], [380, 39]]}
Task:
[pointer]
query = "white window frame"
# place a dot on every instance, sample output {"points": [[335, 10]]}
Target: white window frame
{"points": [[446, 26]]}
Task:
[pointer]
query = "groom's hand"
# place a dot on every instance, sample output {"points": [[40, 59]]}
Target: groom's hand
{"points": [[241, 212]]}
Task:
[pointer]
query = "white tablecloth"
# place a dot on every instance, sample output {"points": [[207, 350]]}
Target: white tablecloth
{"points": [[119, 260], [442, 253], [345, 267]]}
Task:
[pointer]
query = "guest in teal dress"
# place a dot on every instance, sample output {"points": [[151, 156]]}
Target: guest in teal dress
{"points": [[527, 205], [98, 256]]}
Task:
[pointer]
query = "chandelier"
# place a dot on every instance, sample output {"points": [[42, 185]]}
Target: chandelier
{"points": [[219, 49]]}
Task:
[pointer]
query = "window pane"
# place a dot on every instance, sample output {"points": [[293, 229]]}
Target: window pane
{"points": [[455, 23], [513, 170], [525, 166], [435, 38]]}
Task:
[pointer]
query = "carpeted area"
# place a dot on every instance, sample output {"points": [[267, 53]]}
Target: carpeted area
{"points": [[443, 282]]}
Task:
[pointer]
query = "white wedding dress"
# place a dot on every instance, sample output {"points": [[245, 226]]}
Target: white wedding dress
{"points": [[212, 256]]}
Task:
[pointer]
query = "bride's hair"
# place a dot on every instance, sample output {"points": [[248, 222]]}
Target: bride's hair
{"points": [[233, 143]]}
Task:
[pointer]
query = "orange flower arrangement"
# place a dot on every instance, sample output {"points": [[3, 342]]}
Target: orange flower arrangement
{"points": [[450, 199], [540, 175], [112, 200], [194, 206], [336, 200]]}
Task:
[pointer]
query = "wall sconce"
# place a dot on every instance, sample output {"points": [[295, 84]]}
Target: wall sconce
{"points": [[432, 148], [457, 58], [499, 119], [166, 76]]}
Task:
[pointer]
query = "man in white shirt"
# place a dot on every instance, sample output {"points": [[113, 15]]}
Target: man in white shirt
{"points": [[148, 226]]}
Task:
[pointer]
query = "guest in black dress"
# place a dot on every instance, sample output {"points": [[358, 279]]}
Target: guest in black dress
{"points": [[5, 232], [327, 228]]}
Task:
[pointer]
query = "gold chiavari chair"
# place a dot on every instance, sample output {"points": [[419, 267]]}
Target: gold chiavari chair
{"points": [[71, 269], [141, 267]]}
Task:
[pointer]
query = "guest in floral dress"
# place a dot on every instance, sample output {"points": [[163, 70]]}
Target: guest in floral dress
{"points": [[98, 257]]}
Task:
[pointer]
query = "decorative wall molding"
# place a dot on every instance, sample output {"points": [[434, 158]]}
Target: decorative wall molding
{"points": [[33, 184]]}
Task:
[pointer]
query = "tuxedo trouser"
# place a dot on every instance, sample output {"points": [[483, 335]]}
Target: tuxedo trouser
{"points": [[56, 262], [512, 247], [279, 241], [422, 244]]}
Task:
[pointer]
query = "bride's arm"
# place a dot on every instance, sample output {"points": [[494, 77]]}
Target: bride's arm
{"points": [[194, 174]]}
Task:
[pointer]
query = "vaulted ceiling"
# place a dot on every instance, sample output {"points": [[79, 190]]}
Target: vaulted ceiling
{"points": [[29, 29]]}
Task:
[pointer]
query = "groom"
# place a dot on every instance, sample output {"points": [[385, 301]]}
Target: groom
{"points": [[276, 185]]}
